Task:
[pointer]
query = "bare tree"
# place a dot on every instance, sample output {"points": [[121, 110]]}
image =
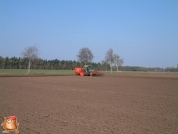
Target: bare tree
{"points": [[85, 55], [118, 61], [31, 53], [110, 57]]}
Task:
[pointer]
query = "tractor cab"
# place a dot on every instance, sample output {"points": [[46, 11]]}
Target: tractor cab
{"points": [[88, 69]]}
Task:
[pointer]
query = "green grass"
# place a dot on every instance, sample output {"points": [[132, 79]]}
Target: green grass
{"points": [[139, 73], [39, 72], [6, 72], [127, 72]]}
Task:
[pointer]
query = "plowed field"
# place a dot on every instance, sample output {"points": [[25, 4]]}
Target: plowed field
{"points": [[91, 105]]}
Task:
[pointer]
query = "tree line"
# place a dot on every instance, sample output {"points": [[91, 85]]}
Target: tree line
{"points": [[56, 64], [113, 62]]}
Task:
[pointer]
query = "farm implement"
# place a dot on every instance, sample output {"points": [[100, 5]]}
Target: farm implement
{"points": [[87, 71]]}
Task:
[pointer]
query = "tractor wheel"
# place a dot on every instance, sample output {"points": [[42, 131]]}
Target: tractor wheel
{"points": [[81, 73]]}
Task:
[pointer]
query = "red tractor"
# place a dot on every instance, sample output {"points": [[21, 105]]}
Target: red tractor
{"points": [[87, 71]]}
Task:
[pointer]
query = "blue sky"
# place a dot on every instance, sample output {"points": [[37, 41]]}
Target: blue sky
{"points": [[143, 32]]}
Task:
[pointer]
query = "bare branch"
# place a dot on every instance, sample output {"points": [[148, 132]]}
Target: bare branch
{"points": [[31, 53], [109, 56], [118, 61], [85, 55]]}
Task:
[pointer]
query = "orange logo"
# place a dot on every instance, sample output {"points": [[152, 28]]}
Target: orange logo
{"points": [[10, 124]]}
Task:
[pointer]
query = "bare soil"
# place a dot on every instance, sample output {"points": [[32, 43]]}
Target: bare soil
{"points": [[91, 105]]}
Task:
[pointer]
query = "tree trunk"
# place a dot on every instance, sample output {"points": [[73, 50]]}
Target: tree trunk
{"points": [[29, 63], [111, 68], [117, 68]]}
